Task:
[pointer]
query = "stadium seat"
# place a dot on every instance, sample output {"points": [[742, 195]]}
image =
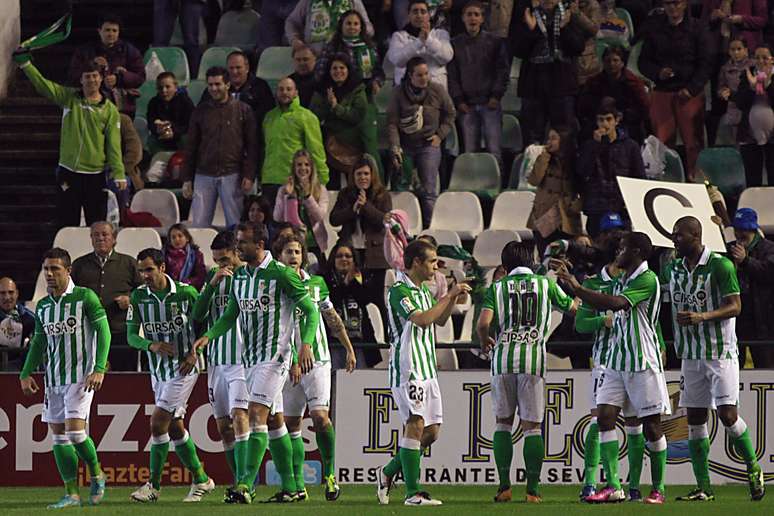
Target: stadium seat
{"points": [[460, 212], [177, 36], [760, 199], [724, 168], [446, 359], [489, 244], [633, 63], [512, 139], [554, 363], [444, 236], [162, 204], [376, 320], [214, 56], [511, 102], [41, 288], [173, 60], [516, 181], [238, 29], [75, 240], [218, 218], [515, 69], [511, 211], [476, 172], [141, 126], [673, 171], [275, 63], [382, 99], [452, 142], [147, 92], [196, 89], [203, 237], [389, 73], [133, 240], [409, 203]]}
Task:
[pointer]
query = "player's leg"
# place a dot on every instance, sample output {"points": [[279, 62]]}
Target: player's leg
{"points": [[299, 453], [531, 403], [217, 389], [696, 398], [504, 401], [282, 455], [648, 393], [635, 443], [226, 431], [159, 427], [411, 452], [657, 446], [317, 388], [237, 404], [591, 443], [66, 462], [77, 402]]}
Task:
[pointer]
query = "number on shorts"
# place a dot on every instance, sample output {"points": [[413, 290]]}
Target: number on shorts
{"points": [[527, 306], [211, 394], [598, 382], [596, 385], [682, 382], [416, 393]]}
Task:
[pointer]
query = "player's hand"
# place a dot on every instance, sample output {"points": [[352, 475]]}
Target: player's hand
{"points": [[222, 272], [487, 345], [201, 342], [305, 358], [351, 362], [22, 55], [94, 381], [29, 386], [564, 275], [609, 315], [295, 374], [187, 365], [162, 348], [690, 318], [122, 302], [459, 292]]}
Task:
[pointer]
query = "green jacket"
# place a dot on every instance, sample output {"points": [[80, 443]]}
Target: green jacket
{"points": [[285, 132], [91, 133], [343, 121]]}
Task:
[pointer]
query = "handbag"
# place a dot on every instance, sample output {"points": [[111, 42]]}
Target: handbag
{"points": [[341, 155]]}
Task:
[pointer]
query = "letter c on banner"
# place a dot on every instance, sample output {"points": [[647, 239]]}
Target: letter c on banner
{"points": [[650, 201]]}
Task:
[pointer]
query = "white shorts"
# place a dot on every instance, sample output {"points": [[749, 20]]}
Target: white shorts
{"points": [[314, 389], [594, 387], [227, 389], [419, 398], [638, 393], [172, 395], [709, 383], [265, 382], [66, 402], [519, 391]]}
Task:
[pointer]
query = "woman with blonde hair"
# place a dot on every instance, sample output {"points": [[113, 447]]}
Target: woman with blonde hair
{"points": [[303, 202]]}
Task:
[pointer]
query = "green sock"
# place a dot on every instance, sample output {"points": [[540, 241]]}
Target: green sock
{"points": [[240, 456], [282, 455], [744, 447], [534, 451], [158, 457], [658, 461], [326, 442], [86, 452], [591, 455], [256, 447], [409, 459], [699, 449], [636, 445], [231, 462], [608, 453], [186, 451], [503, 453], [67, 464], [299, 455], [394, 466]]}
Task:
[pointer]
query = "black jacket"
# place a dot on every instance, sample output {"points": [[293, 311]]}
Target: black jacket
{"points": [[177, 111], [756, 281], [479, 70], [306, 85]]}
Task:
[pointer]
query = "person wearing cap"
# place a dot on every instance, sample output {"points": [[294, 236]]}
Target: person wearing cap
{"points": [[609, 154], [753, 256]]}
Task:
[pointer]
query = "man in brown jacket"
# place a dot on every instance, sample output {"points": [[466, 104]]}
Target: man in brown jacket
{"points": [[221, 152]]}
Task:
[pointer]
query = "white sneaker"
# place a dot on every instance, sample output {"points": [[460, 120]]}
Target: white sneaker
{"points": [[422, 498], [198, 491], [383, 486], [146, 493]]}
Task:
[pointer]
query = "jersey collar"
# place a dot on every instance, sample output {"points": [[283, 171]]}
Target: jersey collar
{"points": [[642, 268], [68, 290], [703, 259], [604, 274], [520, 270], [303, 274], [404, 278]]}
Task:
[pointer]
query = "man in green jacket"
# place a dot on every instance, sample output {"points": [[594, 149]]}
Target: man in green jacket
{"points": [[288, 128], [90, 142]]}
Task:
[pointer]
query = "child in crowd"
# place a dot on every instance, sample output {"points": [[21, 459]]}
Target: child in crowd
{"points": [[182, 257], [728, 83], [168, 115]]}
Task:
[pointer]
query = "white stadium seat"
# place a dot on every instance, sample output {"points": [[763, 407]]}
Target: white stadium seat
{"points": [[408, 202], [203, 237], [40, 288], [133, 240], [511, 211], [760, 199], [460, 212], [376, 320], [75, 240], [162, 204], [444, 236], [489, 245]]}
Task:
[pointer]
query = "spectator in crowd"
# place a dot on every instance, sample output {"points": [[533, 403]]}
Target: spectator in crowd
{"points": [[90, 141], [731, 73], [257, 208], [738, 18], [341, 105], [189, 12], [557, 207], [755, 133], [617, 82], [547, 37], [478, 78], [304, 62], [419, 117], [120, 62], [304, 203], [220, 152], [589, 16], [419, 39], [351, 290], [612, 28], [361, 209], [587, 256], [112, 276], [753, 255], [17, 322], [287, 129], [499, 19], [252, 90], [271, 26], [131, 156], [676, 57], [169, 114], [609, 154], [313, 22], [183, 258], [379, 13]]}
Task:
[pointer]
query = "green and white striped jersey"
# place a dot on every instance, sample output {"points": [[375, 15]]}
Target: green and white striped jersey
{"points": [[412, 348], [637, 341], [263, 300], [603, 336], [318, 291], [68, 326], [521, 302], [226, 349], [702, 290], [168, 318]]}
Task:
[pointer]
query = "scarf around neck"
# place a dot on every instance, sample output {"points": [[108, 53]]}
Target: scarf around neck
{"points": [[548, 49]]}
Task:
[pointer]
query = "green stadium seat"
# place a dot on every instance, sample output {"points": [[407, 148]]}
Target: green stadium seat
{"points": [[141, 126], [517, 181], [452, 142], [633, 63], [382, 99], [177, 35], [196, 89], [173, 60], [147, 92], [275, 63], [511, 138], [511, 102], [213, 56], [238, 29], [673, 171], [723, 167], [476, 172]]}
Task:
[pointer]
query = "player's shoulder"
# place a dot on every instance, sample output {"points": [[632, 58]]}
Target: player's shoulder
{"points": [[317, 281], [719, 261]]}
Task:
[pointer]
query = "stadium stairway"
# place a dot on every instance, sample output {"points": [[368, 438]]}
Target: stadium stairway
{"points": [[29, 131]]}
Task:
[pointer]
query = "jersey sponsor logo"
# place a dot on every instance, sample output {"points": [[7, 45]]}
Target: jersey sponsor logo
{"points": [[698, 298], [520, 337], [67, 327], [220, 301], [262, 304], [177, 324]]}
